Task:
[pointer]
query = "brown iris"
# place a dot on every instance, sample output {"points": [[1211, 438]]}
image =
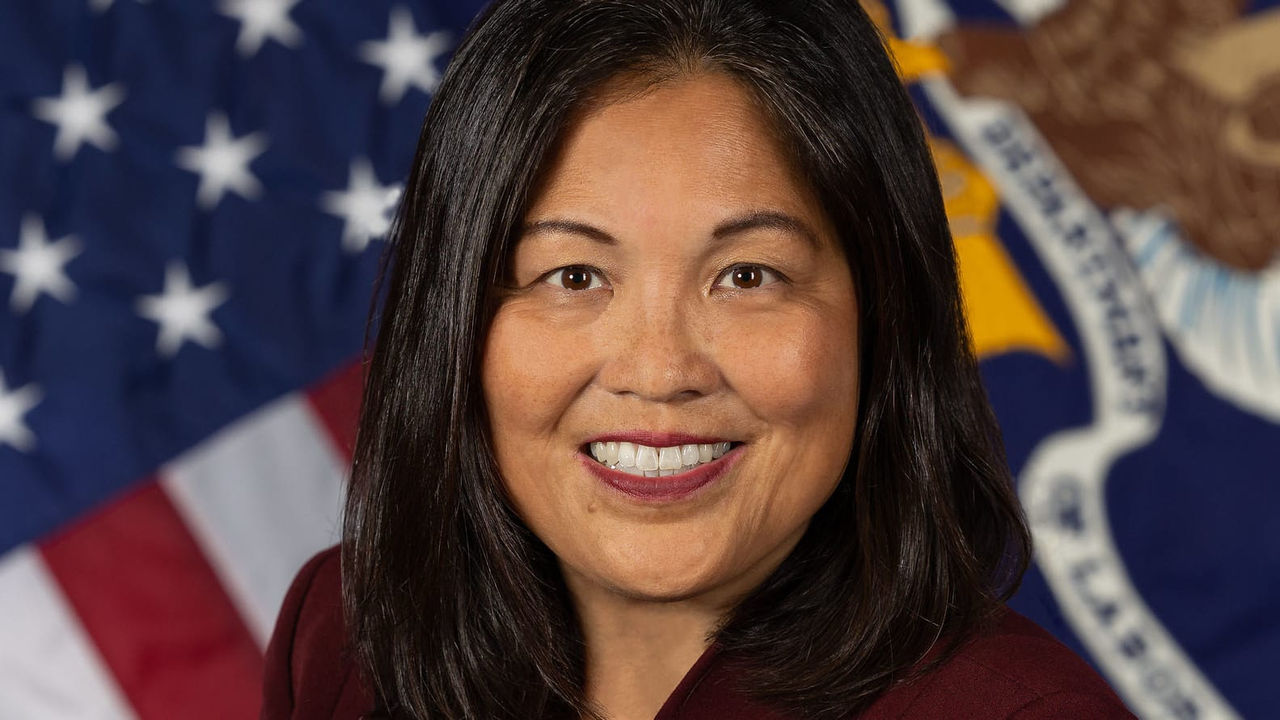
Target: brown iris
{"points": [[575, 278], [747, 277]]}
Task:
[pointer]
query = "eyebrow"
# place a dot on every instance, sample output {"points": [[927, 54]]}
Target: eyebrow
{"points": [[755, 220]]}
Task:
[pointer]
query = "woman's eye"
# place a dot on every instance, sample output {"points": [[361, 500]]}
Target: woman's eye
{"points": [[746, 277], [575, 277]]}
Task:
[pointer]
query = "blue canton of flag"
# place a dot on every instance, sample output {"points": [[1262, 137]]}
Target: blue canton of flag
{"points": [[195, 194]]}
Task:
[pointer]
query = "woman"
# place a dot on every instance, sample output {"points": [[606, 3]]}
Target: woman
{"points": [[672, 409]]}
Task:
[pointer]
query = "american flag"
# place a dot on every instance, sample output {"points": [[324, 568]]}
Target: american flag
{"points": [[194, 197]]}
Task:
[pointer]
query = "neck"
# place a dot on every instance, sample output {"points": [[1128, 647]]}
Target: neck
{"points": [[638, 650]]}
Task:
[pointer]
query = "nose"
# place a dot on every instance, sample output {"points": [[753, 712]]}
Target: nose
{"points": [[659, 350]]}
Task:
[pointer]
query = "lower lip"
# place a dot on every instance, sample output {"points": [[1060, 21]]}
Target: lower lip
{"points": [[662, 489]]}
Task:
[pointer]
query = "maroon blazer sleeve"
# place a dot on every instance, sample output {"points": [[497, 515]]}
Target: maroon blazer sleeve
{"points": [[309, 670], [1015, 671], [1069, 705]]}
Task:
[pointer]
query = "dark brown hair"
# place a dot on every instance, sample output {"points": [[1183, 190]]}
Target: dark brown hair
{"points": [[456, 609]]}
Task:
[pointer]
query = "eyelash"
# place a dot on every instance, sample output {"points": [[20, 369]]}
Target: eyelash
{"points": [[550, 278]]}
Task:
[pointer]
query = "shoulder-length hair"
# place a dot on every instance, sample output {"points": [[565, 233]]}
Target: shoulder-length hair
{"points": [[455, 608]]}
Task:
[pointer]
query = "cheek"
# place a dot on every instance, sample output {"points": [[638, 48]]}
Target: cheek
{"points": [[797, 374], [529, 377], [795, 369], [530, 374]]}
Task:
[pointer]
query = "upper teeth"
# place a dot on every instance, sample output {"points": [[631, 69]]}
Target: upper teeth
{"points": [[655, 461]]}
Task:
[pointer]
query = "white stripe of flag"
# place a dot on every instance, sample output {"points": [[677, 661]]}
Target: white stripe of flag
{"points": [[261, 497], [50, 667]]}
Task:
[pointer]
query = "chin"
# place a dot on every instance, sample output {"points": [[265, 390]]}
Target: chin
{"points": [[659, 590], [663, 580]]}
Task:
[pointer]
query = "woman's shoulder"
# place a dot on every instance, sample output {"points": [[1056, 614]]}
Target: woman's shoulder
{"points": [[1011, 669], [309, 669]]}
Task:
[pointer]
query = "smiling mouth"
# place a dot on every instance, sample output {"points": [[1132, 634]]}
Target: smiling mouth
{"points": [[650, 461]]}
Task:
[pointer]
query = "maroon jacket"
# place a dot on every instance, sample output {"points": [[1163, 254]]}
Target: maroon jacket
{"points": [[1015, 670]]}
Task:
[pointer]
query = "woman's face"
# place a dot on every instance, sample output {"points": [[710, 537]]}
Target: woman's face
{"points": [[676, 284]]}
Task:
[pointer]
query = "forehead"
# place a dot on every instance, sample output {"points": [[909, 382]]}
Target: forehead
{"points": [[699, 140]]}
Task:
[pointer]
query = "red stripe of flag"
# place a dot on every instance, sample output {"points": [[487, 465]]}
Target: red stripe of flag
{"points": [[150, 601], [336, 401]]}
